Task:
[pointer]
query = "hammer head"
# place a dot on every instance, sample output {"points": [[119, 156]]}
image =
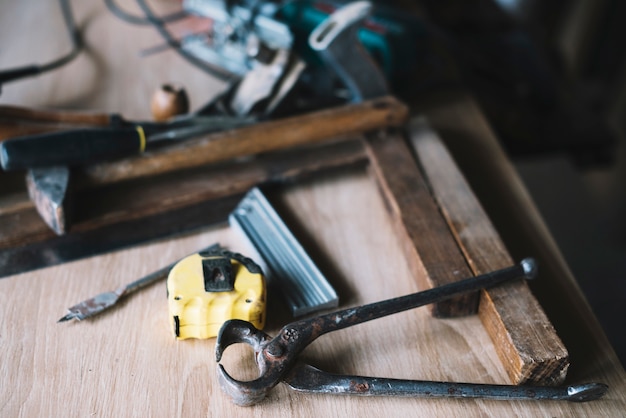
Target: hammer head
{"points": [[49, 189]]}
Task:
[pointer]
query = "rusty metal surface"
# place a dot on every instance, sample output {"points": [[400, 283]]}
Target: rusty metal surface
{"points": [[306, 378], [106, 300], [277, 358]]}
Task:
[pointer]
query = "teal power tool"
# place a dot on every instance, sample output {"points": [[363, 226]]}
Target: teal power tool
{"points": [[387, 35], [402, 46]]}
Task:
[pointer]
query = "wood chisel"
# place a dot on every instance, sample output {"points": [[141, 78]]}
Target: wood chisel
{"points": [[88, 145]]}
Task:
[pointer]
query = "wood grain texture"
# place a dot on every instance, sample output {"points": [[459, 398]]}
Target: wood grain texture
{"points": [[494, 180], [260, 138], [34, 115], [97, 208], [310, 128], [19, 121], [524, 338], [127, 364], [427, 242]]}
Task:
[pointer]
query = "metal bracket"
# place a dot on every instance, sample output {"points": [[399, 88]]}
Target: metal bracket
{"points": [[282, 258]]}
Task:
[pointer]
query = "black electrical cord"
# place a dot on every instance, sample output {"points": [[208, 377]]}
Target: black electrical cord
{"points": [[141, 20], [36, 69], [172, 42]]}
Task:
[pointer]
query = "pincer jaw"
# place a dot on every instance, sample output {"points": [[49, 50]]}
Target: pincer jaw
{"points": [[236, 331], [249, 392], [242, 393]]}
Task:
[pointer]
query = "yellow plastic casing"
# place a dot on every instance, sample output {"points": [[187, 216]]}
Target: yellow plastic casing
{"points": [[196, 313]]}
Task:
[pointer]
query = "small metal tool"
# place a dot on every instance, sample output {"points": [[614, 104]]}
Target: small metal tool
{"points": [[281, 256], [100, 303], [88, 145], [277, 358]]}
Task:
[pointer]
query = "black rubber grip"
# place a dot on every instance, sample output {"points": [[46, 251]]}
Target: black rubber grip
{"points": [[17, 73], [76, 147]]}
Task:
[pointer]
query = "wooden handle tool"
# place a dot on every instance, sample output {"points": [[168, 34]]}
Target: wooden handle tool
{"points": [[20, 121], [49, 192], [310, 128]]}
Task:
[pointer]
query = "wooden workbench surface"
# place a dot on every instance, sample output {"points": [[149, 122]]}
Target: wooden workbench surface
{"points": [[127, 363]]}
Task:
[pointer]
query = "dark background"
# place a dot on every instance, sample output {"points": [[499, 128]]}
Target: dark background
{"points": [[550, 77]]}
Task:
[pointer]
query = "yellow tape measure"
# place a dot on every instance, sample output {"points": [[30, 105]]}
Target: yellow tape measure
{"points": [[208, 288]]}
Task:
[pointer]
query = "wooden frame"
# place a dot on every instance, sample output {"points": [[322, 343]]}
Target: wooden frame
{"points": [[439, 249]]}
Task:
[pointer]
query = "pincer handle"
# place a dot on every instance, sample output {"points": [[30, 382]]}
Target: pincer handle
{"points": [[276, 356]]}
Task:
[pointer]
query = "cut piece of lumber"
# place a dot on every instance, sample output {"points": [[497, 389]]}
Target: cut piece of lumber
{"points": [[524, 338], [275, 135], [123, 214], [430, 249]]}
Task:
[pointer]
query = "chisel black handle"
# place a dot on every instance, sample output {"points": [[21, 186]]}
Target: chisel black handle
{"points": [[73, 147]]}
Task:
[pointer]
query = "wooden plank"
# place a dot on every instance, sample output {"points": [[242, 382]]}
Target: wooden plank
{"points": [[123, 213], [321, 126], [427, 242], [268, 136], [503, 195], [524, 338], [127, 363], [100, 207], [127, 359], [20, 121]]}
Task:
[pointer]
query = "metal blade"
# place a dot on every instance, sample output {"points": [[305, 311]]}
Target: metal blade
{"points": [[179, 130], [97, 304], [94, 305]]}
